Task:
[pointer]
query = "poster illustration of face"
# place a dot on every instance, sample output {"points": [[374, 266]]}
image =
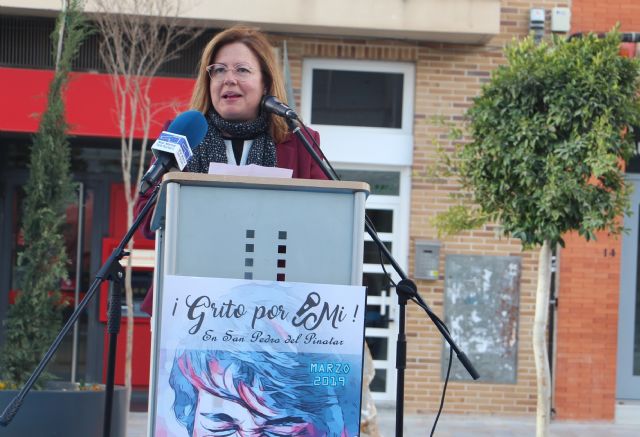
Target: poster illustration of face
{"points": [[258, 359]]}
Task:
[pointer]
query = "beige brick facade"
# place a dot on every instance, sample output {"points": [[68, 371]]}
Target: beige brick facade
{"points": [[448, 77]]}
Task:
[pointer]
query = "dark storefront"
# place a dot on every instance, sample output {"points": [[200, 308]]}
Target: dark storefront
{"points": [[97, 216]]}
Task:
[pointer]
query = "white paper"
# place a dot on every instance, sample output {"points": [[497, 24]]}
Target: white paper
{"points": [[249, 170]]}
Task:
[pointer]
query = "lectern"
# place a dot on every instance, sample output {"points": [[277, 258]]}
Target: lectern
{"points": [[257, 234]]}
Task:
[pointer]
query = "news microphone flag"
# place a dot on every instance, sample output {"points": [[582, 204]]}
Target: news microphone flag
{"points": [[175, 144]]}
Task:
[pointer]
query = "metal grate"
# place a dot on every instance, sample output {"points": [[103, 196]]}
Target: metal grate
{"points": [[25, 43]]}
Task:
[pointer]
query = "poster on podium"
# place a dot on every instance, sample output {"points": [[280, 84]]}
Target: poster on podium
{"points": [[243, 357]]}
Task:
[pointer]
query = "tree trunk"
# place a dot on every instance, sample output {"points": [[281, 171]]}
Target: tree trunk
{"points": [[128, 364], [541, 358], [133, 50]]}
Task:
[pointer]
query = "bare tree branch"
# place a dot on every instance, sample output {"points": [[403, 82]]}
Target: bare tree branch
{"points": [[138, 37]]}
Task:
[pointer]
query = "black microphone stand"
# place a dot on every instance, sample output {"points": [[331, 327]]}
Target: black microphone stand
{"points": [[112, 271], [406, 290]]}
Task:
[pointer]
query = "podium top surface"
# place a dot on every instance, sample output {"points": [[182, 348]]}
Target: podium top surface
{"points": [[259, 182]]}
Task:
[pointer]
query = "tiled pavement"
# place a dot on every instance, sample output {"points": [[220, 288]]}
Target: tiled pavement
{"points": [[452, 425]]}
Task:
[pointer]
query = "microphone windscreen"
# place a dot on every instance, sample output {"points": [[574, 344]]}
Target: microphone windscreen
{"points": [[192, 125]]}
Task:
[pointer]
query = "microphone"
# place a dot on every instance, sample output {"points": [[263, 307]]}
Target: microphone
{"points": [[174, 147], [275, 106], [313, 300]]}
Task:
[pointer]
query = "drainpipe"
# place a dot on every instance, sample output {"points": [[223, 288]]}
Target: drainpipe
{"points": [[553, 313], [61, 34]]}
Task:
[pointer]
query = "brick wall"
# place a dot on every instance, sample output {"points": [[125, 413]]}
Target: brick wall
{"points": [[448, 77], [601, 16], [589, 283], [587, 334]]}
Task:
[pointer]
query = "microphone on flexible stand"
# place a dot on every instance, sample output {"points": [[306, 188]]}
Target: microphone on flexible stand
{"points": [[274, 106]]}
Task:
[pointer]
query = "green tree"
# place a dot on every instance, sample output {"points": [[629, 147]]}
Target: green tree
{"points": [[35, 318], [549, 135]]}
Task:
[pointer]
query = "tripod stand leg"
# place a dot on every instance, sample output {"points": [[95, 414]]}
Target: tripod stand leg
{"points": [[113, 328]]}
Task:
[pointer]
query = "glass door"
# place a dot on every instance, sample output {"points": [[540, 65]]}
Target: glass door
{"points": [[364, 113], [381, 329], [386, 207]]}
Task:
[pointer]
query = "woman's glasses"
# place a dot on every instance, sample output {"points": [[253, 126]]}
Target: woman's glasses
{"points": [[240, 72]]}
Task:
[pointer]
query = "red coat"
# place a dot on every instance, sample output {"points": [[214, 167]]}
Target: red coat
{"points": [[290, 153]]}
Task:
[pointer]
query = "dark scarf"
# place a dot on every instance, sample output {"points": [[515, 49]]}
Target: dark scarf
{"points": [[213, 149]]}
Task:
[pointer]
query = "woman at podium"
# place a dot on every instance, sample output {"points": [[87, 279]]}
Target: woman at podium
{"points": [[237, 69]]}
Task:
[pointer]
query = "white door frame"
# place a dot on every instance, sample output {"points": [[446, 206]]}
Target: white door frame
{"points": [[374, 149]]}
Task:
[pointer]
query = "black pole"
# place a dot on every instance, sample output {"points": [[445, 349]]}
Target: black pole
{"points": [[10, 411], [114, 316], [553, 308], [406, 290], [401, 359]]}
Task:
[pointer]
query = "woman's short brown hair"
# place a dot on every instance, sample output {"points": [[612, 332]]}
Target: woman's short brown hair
{"points": [[258, 43]]}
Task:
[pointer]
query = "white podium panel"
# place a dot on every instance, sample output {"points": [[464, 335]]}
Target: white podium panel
{"points": [[271, 240]]}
